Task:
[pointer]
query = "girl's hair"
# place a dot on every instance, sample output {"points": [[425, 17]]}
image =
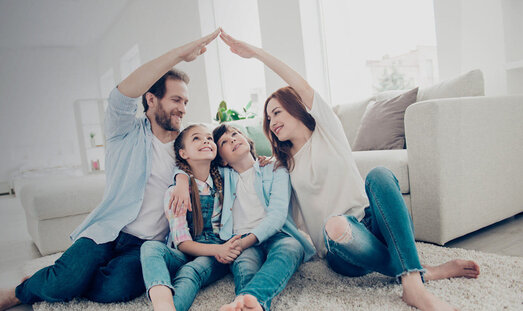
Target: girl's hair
{"points": [[224, 128], [182, 164], [292, 103]]}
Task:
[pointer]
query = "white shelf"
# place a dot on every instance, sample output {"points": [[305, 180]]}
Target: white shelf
{"points": [[514, 65]]}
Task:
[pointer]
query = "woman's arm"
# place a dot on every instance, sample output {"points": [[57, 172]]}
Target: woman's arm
{"points": [[294, 79], [138, 82]]}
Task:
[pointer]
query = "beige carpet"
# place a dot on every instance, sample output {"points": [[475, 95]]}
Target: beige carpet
{"points": [[316, 287]]}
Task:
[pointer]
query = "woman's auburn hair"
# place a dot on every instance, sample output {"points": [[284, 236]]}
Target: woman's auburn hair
{"points": [[291, 101], [218, 132], [197, 217]]}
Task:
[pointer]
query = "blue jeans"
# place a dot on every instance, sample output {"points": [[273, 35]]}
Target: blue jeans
{"points": [[282, 254], [170, 267], [183, 274], [384, 240], [108, 272]]}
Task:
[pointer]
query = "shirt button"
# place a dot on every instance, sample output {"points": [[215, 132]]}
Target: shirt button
{"points": [[231, 208]]}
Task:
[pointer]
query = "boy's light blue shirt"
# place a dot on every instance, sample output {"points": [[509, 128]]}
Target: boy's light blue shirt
{"points": [[128, 166], [273, 188]]}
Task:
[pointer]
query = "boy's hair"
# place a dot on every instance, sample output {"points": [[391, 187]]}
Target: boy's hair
{"points": [[224, 128], [158, 88], [197, 218]]}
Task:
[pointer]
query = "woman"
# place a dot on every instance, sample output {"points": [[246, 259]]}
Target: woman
{"points": [[357, 227]]}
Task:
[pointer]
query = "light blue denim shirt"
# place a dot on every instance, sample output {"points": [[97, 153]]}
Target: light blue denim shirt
{"points": [[128, 166], [273, 188]]}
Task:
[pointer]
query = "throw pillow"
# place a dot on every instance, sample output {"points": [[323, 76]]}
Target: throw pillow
{"points": [[468, 84], [382, 124]]}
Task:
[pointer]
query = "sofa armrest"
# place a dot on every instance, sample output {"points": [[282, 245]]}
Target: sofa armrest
{"points": [[465, 164]]}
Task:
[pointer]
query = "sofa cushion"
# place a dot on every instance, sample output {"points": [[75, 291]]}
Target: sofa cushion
{"points": [[382, 124], [62, 197], [394, 160], [350, 114], [468, 84]]}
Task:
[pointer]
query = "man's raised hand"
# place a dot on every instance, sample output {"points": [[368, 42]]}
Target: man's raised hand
{"points": [[192, 50]]}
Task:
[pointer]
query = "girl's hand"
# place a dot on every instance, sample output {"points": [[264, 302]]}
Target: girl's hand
{"points": [[263, 160], [180, 200], [192, 50], [228, 251], [238, 47]]}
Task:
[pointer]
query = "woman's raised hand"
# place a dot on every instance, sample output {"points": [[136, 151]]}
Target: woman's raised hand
{"points": [[238, 47], [192, 50]]}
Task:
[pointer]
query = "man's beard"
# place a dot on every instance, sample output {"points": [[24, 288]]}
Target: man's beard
{"points": [[164, 120]]}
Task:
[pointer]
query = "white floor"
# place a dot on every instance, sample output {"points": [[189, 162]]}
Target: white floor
{"points": [[16, 247]]}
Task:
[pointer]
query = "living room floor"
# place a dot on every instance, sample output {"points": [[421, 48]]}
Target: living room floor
{"points": [[16, 247]]}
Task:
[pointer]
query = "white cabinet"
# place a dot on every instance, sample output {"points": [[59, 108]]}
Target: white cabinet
{"points": [[89, 116]]}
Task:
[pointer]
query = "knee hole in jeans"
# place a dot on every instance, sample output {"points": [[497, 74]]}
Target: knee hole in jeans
{"points": [[338, 229]]}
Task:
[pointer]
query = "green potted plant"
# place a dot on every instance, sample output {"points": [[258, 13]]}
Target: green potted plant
{"points": [[224, 114]]}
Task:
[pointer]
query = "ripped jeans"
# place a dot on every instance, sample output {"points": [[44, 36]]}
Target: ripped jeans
{"points": [[384, 239]]}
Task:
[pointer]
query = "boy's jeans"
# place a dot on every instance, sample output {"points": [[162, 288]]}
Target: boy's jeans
{"points": [[384, 240], [108, 272], [264, 270]]}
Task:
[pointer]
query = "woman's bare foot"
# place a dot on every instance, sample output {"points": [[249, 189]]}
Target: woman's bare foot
{"points": [[416, 295], [243, 303], [452, 269], [8, 299]]}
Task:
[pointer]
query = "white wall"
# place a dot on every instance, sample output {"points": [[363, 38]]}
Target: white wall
{"points": [[470, 35], [157, 28], [280, 25], [38, 87]]}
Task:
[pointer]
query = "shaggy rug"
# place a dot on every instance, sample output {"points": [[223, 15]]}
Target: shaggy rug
{"points": [[315, 287]]}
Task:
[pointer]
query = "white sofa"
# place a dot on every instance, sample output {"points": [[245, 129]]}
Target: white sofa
{"points": [[462, 169], [463, 166]]}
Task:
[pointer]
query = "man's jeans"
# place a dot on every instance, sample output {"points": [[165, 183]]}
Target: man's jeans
{"points": [[108, 272], [264, 270], [384, 240]]}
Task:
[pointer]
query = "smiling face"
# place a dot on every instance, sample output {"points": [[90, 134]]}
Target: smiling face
{"points": [[281, 122], [233, 146], [170, 109], [198, 144]]}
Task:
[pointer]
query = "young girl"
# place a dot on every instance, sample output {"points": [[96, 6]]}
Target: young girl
{"points": [[368, 227], [193, 241], [256, 207]]}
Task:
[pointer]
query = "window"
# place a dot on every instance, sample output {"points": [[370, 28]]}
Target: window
{"points": [[230, 77], [376, 45]]}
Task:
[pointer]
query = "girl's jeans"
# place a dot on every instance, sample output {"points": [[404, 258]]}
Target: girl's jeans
{"points": [[161, 264], [282, 254], [384, 239]]}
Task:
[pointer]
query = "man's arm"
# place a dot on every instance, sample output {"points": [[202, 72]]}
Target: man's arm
{"points": [[140, 80]]}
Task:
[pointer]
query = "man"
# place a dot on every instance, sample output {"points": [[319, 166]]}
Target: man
{"points": [[103, 264]]}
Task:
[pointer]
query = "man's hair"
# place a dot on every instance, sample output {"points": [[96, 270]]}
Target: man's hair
{"points": [[158, 88]]}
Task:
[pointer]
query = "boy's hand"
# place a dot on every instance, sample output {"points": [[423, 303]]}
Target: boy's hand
{"points": [[227, 252]]}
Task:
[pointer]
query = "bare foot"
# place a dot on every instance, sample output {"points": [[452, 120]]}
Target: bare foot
{"points": [[416, 295], [243, 303], [452, 269], [251, 303], [236, 305], [8, 299], [425, 301]]}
